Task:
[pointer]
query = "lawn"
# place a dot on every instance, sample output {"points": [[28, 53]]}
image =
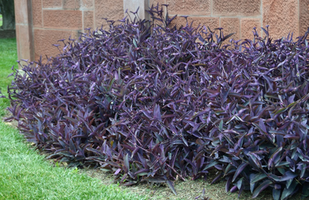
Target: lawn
{"points": [[25, 174]]}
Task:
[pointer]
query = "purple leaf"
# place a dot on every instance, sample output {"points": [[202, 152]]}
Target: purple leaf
{"points": [[239, 169], [157, 113]]}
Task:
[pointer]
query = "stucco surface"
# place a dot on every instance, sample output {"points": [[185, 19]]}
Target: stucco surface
{"points": [[247, 26], [52, 3], [111, 9], [189, 7], [238, 16], [44, 40], [65, 19], [237, 7], [281, 16]]}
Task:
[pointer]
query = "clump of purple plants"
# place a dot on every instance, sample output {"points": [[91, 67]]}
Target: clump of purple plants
{"points": [[151, 102]]}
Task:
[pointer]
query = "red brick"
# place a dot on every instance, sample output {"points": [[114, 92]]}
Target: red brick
{"points": [[247, 26], [237, 7], [111, 9], [52, 3], [44, 40], [189, 7], [37, 13], [303, 16], [87, 4], [63, 19], [71, 4], [231, 25], [88, 19]]}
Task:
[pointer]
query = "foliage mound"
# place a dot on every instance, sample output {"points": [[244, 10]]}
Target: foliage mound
{"points": [[154, 102]]}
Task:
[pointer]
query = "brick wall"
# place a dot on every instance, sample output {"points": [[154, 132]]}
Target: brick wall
{"points": [[42, 22], [240, 16], [53, 20]]}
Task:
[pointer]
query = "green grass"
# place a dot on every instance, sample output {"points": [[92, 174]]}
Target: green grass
{"points": [[0, 20], [25, 174], [8, 57]]}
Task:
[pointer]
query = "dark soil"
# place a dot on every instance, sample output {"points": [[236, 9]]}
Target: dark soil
{"points": [[7, 33]]}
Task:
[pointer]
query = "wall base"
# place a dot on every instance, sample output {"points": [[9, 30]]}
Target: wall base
{"points": [[7, 33]]}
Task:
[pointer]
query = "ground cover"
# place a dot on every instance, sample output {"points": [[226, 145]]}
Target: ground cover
{"points": [[259, 139], [25, 174]]}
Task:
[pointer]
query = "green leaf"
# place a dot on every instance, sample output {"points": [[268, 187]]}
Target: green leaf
{"points": [[252, 184], [261, 187], [305, 190], [171, 186], [257, 177], [134, 42], [286, 108], [213, 163], [287, 176], [75, 121], [287, 192], [228, 168], [276, 194], [221, 125], [239, 183]]}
